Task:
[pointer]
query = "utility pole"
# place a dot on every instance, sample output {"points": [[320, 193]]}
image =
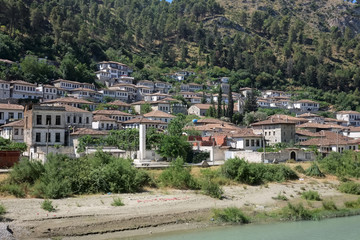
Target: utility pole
{"points": [[47, 140], [264, 142]]}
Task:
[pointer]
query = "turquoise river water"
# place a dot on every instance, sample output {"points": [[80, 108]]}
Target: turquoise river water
{"points": [[347, 228]]}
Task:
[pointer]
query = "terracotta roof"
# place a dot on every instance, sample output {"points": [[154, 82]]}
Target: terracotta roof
{"points": [[244, 132], [210, 121], [68, 100], [307, 133], [333, 120], [354, 129], [169, 99], [3, 81], [102, 118], [327, 138], [144, 120], [22, 82], [145, 81], [212, 127], [119, 103], [110, 112], [308, 115], [158, 113], [288, 118], [320, 125], [202, 106], [139, 103], [274, 121], [124, 84], [112, 62], [69, 108], [19, 123], [348, 112], [82, 89], [64, 80], [88, 131], [6, 61], [306, 101], [8, 106]]}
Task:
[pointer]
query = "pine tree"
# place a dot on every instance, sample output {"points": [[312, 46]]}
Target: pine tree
{"points": [[231, 104], [250, 103], [219, 112]]}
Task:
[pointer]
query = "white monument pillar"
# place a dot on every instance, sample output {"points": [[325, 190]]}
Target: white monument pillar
{"points": [[142, 142]]}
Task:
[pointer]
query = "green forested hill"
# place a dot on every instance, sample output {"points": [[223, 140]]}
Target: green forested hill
{"points": [[283, 44]]}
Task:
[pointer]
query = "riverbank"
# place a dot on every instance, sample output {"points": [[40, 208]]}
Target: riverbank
{"points": [[153, 211]]}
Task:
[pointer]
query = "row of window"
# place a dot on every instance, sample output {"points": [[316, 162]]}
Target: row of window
{"points": [[48, 119], [23, 88], [47, 137], [6, 86], [11, 115], [252, 143]]}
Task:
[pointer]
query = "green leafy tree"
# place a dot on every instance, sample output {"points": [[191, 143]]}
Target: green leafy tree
{"points": [[172, 147], [145, 108]]}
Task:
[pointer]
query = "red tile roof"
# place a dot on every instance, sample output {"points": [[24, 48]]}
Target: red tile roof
{"points": [[119, 103], [159, 114], [102, 118], [19, 123], [327, 138], [68, 100], [111, 112], [8, 106], [88, 131]]}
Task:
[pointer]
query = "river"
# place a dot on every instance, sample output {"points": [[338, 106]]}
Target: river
{"points": [[347, 228]]}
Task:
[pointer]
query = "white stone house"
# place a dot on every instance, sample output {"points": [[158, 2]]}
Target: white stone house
{"points": [[129, 88], [86, 93], [147, 83], [352, 132], [193, 87], [24, 90], [135, 123], [263, 103], [184, 87], [101, 122], [4, 89], [114, 114], [13, 131], [115, 69], [142, 91], [66, 84], [351, 118], [199, 109], [48, 91], [155, 97], [245, 139], [77, 117], [120, 105], [114, 93], [79, 103], [159, 116], [10, 112], [306, 105]]}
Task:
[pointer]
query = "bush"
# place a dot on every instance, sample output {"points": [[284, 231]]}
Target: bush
{"points": [[178, 176], [314, 171], [13, 189], [346, 164], [211, 189], [2, 210], [26, 171], [256, 173], [311, 195], [329, 205], [280, 197], [296, 212], [47, 206], [230, 215], [353, 204], [350, 188], [117, 202], [299, 169]]}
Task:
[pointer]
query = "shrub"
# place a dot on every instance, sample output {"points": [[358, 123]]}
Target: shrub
{"points": [[296, 212], [299, 169], [47, 206], [211, 189], [280, 197], [350, 188], [2, 210], [256, 173], [329, 205], [346, 164], [117, 202], [353, 204], [14, 189], [178, 176], [26, 171], [230, 215], [314, 171], [311, 195]]}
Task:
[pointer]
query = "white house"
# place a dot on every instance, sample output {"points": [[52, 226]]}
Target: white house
{"points": [[159, 116], [135, 123], [351, 118], [48, 91], [10, 112], [352, 132], [23, 90], [13, 131], [306, 105], [245, 139], [147, 83], [101, 122], [115, 69], [4, 89], [114, 114], [114, 93]]}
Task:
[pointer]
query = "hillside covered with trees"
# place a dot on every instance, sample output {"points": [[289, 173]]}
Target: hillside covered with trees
{"points": [[305, 46]]}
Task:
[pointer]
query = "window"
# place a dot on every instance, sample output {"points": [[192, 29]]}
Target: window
{"points": [[68, 119], [252, 143], [38, 119], [58, 120], [19, 115], [38, 137], [57, 137], [87, 120], [48, 119], [11, 115], [48, 137], [1, 115], [258, 143], [80, 119], [16, 131], [247, 142], [74, 119]]}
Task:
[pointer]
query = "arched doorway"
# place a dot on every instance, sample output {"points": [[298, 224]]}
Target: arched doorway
{"points": [[293, 156]]}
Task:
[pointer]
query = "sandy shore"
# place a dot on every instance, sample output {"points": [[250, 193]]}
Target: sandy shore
{"points": [[153, 211]]}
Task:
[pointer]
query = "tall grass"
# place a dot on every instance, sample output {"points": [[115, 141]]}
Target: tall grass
{"points": [[230, 215], [350, 188], [311, 195]]}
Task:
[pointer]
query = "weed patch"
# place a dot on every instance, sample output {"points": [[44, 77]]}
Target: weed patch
{"points": [[230, 215], [48, 206], [311, 195]]}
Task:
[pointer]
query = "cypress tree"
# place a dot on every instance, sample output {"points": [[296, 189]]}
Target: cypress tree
{"points": [[231, 104], [219, 103]]}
